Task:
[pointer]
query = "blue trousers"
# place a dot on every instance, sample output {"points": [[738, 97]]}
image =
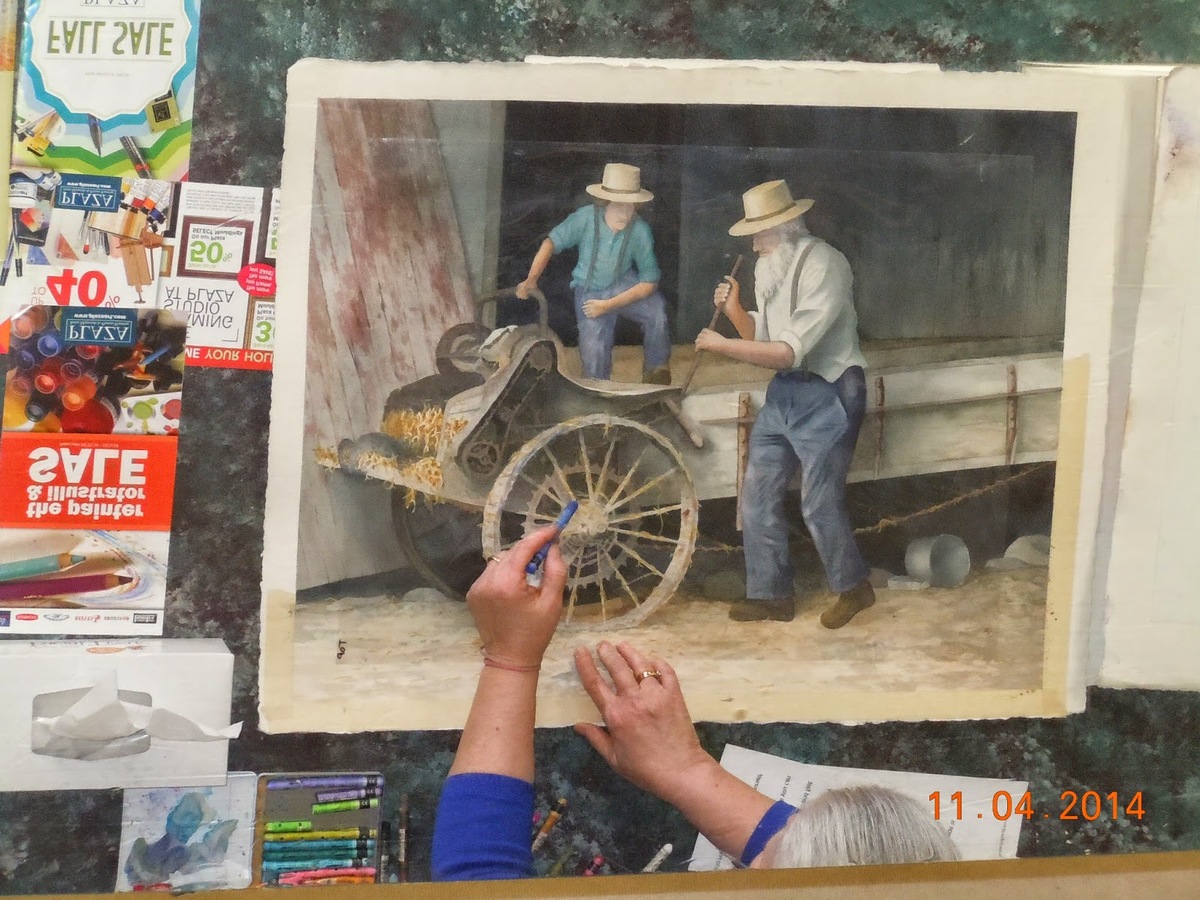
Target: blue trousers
{"points": [[809, 423], [596, 336]]}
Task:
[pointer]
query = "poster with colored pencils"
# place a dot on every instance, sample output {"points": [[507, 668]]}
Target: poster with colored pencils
{"points": [[92, 405], [107, 88]]}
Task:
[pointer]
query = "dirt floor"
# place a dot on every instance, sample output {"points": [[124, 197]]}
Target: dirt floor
{"points": [[985, 636]]}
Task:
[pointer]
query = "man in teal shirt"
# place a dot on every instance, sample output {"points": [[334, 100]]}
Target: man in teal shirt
{"points": [[616, 274]]}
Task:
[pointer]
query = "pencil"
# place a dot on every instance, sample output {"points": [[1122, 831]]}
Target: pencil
{"points": [[53, 587], [41, 565]]}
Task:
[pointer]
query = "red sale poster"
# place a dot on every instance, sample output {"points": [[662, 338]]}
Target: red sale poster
{"points": [[92, 402]]}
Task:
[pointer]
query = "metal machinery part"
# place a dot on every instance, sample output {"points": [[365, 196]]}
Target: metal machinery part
{"points": [[481, 453], [629, 544]]}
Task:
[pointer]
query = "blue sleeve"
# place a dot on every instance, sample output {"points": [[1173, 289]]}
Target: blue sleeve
{"points": [[768, 826], [569, 232], [482, 829], [644, 259]]}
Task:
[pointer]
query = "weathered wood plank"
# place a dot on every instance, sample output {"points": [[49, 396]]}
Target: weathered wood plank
{"points": [[387, 277]]}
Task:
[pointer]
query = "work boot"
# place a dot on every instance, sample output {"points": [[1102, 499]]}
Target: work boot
{"points": [[849, 604], [763, 610], [660, 375]]}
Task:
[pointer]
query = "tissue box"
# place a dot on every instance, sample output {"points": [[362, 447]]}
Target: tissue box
{"points": [[192, 678]]}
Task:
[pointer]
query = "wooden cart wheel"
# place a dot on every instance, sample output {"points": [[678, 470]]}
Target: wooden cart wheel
{"points": [[441, 540], [631, 540]]}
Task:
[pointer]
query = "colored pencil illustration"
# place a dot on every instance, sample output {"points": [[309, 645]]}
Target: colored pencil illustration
{"points": [[54, 587], [41, 565]]}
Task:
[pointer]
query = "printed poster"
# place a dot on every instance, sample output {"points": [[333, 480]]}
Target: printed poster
{"points": [[105, 87], [92, 405], [200, 250], [218, 275]]}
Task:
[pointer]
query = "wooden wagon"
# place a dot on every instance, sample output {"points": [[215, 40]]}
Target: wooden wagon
{"points": [[496, 444]]}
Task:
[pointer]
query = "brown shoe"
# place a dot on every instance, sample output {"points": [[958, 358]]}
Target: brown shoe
{"points": [[661, 375], [763, 610], [849, 604]]}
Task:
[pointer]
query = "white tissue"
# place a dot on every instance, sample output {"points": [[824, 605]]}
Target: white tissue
{"points": [[100, 716]]}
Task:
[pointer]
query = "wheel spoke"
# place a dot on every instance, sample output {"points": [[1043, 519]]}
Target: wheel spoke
{"points": [[558, 472], [603, 476], [625, 584], [641, 513], [538, 486], [641, 559], [645, 535], [587, 466], [629, 474], [670, 473], [574, 578], [603, 600]]}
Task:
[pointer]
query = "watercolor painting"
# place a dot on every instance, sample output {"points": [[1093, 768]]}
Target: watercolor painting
{"points": [[453, 406], [181, 837]]}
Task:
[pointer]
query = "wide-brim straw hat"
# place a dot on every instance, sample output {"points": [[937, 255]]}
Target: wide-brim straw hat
{"points": [[621, 184], [767, 205]]}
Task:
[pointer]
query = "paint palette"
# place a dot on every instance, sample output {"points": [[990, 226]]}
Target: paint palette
{"points": [[319, 828], [189, 838]]}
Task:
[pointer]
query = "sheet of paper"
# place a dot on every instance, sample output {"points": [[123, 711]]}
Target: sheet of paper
{"points": [[982, 824]]}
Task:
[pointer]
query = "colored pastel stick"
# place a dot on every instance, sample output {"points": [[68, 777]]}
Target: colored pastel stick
{"points": [[289, 826], [334, 796], [532, 567], [314, 874], [328, 834], [326, 781], [54, 587], [41, 565], [300, 865], [353, 848], [344, 805]]}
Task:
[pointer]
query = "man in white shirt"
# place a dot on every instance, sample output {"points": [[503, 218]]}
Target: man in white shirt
{"points": [[806, 329]]}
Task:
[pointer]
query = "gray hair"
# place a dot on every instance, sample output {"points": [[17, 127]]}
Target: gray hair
{"points": [[792, 229], [860, 826]]}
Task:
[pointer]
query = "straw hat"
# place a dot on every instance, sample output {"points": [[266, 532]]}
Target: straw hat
{"points": [[621, 184], [767, 205]]}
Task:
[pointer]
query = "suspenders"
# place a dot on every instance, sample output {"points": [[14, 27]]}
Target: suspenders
{"points": [[626, 233], [803, 367]]}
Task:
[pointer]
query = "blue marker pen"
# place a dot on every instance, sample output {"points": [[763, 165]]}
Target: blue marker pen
{"points": [[533, 571]]}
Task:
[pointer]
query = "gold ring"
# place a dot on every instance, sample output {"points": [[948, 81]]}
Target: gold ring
{"points": [[493, 559], [649, 673]]}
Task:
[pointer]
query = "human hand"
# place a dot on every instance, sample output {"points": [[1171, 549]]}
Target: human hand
{"points": [[595, 308], [727, 295], [708, 339], [648, 736], [515, 620], [526, 287]]}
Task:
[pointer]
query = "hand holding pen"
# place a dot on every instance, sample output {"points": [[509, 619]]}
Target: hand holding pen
{"points": [[515, 619]]}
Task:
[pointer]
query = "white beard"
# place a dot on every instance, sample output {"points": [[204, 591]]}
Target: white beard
{"points": [[771, 270]]}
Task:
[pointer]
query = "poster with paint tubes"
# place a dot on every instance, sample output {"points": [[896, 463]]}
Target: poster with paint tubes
{"points": [[92, 405]]}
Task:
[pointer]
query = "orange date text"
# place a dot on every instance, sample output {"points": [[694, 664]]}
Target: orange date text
{"points": [[1087, 806]]}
